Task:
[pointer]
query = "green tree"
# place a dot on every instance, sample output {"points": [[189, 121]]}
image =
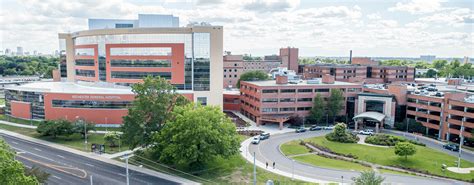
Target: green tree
{"points": [[196, 135], [335, 103], [155, 99], [79, 127], [12, 171], [431, 73], [368, 178], [317, 111], [40, 175], [405, 149], [340, 134], [439, 64], [252, 76], [112, 138], [55, 128]]}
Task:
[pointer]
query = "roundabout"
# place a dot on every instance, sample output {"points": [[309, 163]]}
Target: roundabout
{"points": [[268, 151]]}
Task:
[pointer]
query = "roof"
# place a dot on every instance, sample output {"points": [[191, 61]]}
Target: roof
{"points": [[372, 115], [301, 83]]}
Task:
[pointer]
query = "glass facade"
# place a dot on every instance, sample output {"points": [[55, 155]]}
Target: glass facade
{"points": [[140, 63], [202, 56], [154, 51], [84, 51], [35, 98], [84, 62], [91, 104], [85, 73], [139, 75]]}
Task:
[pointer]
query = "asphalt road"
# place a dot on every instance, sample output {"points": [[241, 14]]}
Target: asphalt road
{"points": [[69, 168], [268, 151]]}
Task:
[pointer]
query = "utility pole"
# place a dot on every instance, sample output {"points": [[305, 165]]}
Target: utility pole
{"points": [[254, 171], [91, 179], [126, 166], [461, 142]]}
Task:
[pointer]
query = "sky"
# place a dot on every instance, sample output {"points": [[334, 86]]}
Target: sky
{"points": [[404, 28]]}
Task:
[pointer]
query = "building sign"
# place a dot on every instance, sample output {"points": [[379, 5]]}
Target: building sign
{"points": [[96, 97]]}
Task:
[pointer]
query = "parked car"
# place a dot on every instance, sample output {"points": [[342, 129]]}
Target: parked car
{"points": [[314, 127], [367, 132], [256, 140], [301, 129], [264, 136], [452, 147], [329, 127]]}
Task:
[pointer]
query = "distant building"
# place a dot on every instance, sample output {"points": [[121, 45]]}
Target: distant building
{"points": [[143, 21], [8, 51], [428, 58], [467, 60], [365, 61], [19, 51]]}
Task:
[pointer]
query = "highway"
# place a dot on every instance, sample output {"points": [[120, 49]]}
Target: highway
{"points": [[268, 151], [69, 168]]}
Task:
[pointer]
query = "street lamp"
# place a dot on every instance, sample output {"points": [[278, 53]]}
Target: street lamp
{"points": [[85, 133], [461, 142], [126, 162]]}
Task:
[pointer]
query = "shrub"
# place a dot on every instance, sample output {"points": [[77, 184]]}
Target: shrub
{"points": [[384, 139], [341, 135], [405, 149]]}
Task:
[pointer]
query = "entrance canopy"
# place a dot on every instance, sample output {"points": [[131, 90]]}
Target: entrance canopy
{"points": [[372, 115]]}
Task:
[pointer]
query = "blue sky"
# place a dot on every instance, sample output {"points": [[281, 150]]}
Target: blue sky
{"points": [[319, 28]]}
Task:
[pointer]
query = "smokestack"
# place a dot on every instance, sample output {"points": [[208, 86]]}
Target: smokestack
{"points": [[350, 57]]}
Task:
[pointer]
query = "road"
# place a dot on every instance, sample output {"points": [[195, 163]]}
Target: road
{"points": [[268, 151], [69, 168]]}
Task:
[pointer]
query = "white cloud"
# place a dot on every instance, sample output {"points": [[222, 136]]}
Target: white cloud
{"points": [[417, 6], [270, 5]]}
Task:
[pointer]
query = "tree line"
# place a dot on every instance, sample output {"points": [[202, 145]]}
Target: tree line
{"points": [[28, 65]]}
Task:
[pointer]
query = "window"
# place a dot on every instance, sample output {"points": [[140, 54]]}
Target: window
{"points": [[287, 109], [140, 63], [201, 50], [84, 62], [321, 90], [202, 100], [411, 100], [235, 64], [225, 70], [269, 100], [287, 90], [235, 70], [305, 90], [305, 99], [224, 76], [304, 108], [269, 109], [287, 100], [139, 75], [235, 76], [91, 104], [270, 91], [85, 73], [154, 51], [123, 25], [435, 104], [84, 51]]}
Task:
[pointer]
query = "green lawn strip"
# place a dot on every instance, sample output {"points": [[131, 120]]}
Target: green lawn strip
{"points": [[324, 162], [293, 148], [19, 121], [424, 159], [234, 170], [74, 141], [394, 172], [2, 101], [118, 129]]}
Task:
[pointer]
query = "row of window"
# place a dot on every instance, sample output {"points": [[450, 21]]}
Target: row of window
{"points": [[91, 104], [286, 109], [85, 73], [85, 62], [294, 90], [275, 100], [139, 75], [140, 63]]}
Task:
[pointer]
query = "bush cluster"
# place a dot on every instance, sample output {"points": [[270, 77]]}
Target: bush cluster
{"points": [[341, 135], [389, 140]]}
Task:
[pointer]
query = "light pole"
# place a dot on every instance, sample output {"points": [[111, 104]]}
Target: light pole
{"points": [[461, 142], [126, 166], [91, 179], [85, 133]]}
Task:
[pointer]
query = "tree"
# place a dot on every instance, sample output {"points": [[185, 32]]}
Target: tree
{"points": [[368, 178], [252, 76], [296, 120], [317, 111], [335, 103], [340, 134], [12, 171], [40, 175], [112, 138], [155, 99], [439, 64], [431, 73], [196, 135], [79, 127], [404, 149], [55, 128]]}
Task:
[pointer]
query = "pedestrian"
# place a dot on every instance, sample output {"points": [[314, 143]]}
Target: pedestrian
{"points": [[266, 164], [273, 164]]}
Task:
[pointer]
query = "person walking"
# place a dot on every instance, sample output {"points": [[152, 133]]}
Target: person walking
{"points": [[273, 164], [266, 164]]}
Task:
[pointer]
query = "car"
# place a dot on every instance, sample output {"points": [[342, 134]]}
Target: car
{"points": [[329, 127], [264, 136], [301, 129], [439, 94], [256, 140], [314, 127], [417, 91], [367, 132], [452, 147]]}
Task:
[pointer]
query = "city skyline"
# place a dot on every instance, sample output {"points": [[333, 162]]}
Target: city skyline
{"points": [[319, 28]]}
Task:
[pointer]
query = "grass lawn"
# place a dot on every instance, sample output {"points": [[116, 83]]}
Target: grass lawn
{"points": [[317, 160], [293, 148], [74, 141], [17, 120], [424, 159], [2, 101]]}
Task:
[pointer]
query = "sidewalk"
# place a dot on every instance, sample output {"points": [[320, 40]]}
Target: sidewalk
{"points": [[100, 158], [249, 157], [34, 127]]}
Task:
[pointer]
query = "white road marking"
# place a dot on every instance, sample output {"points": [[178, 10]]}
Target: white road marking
{"points": [[89, 164], [61, 156], [56, 177], [37, 149]]}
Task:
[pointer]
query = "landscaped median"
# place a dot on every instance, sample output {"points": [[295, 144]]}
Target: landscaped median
{"points": [[425, 160]]}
